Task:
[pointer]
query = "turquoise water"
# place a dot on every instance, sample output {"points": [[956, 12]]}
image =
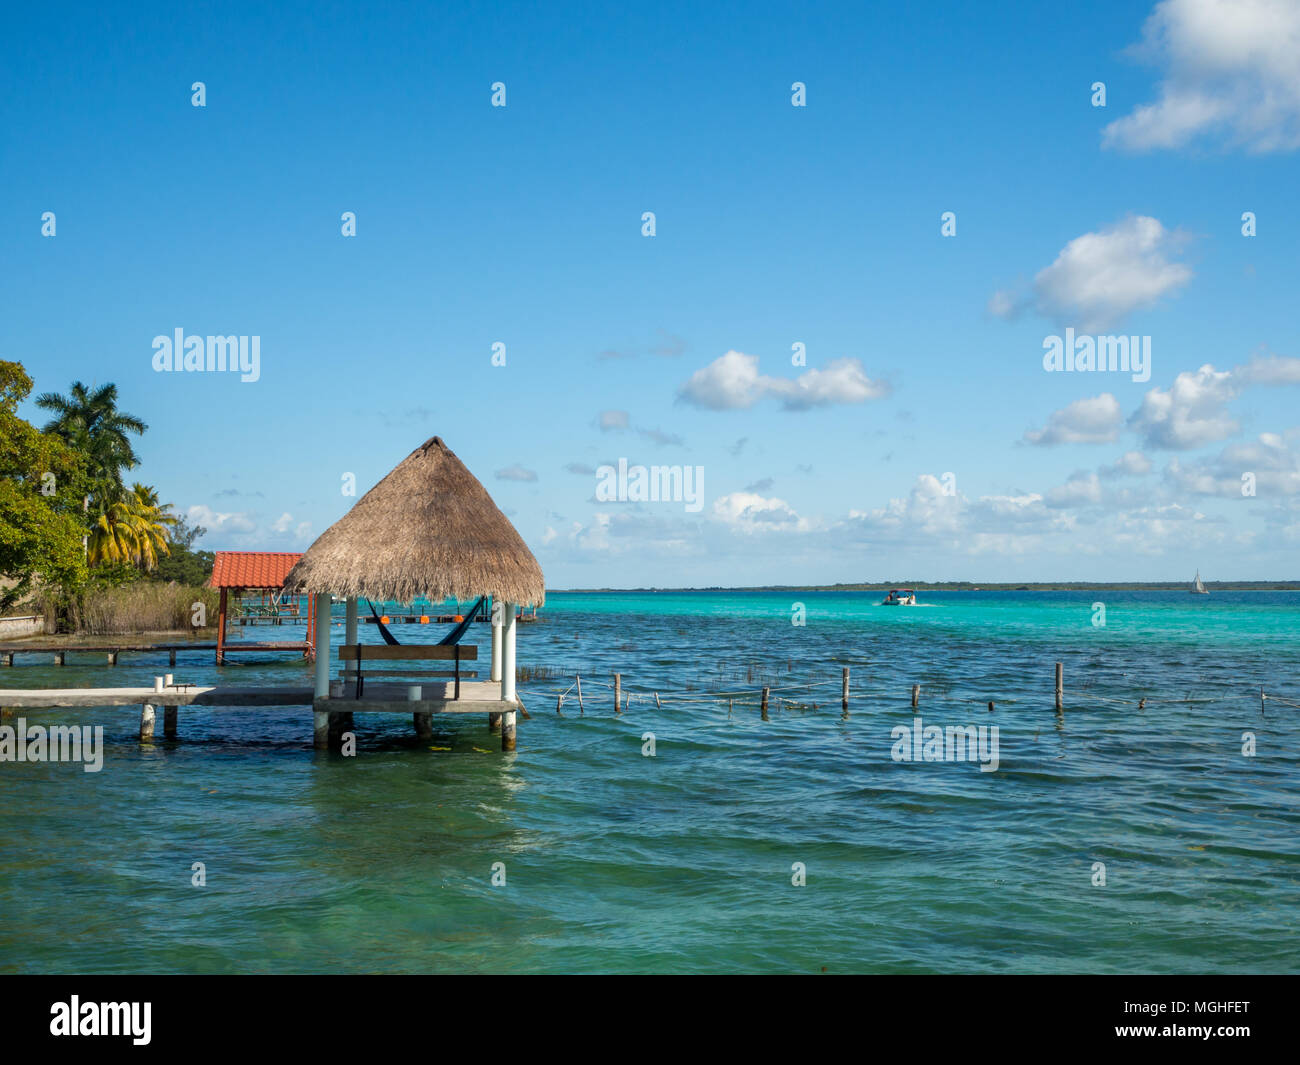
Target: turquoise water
{"points": [[617, 862]]}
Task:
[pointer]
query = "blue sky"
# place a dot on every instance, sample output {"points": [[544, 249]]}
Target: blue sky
{"points": [[775, 225]]}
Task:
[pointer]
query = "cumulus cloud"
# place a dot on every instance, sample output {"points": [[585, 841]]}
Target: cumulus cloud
{"points": [[1270, 370], [1080, 488], [1099, 278], [218, 522], [1130, 464], [1095, 420], [732, 382], [1190, 413], [282, 523], [516, 473], [1231, 77], [750, 512], [1269, 460]]}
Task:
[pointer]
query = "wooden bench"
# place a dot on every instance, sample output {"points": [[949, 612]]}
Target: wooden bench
{"points": [[407, 652]]}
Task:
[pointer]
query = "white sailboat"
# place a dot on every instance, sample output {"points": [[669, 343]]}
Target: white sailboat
{"points": [[1198, 588]]}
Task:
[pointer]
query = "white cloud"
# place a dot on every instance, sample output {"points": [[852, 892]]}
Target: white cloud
{"points": [[1129, 464], [732, 382], [1099, 278], [215, 521], [613, 420], [1273, 464], [749, 512], [516, 473], [1095, 420], [282, 523], [1273, 370], [1231, 75], [1190, 414], [1080, 488]]}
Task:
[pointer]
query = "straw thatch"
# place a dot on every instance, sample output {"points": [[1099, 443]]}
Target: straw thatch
{"points": [[427, 529]]}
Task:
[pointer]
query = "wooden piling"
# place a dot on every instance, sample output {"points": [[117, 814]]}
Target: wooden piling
{"points": [[916, 695], [494, 721], [169, 722], [1060, 684], [423, 725], [658, 704], [844, 689], [112, 658], [990, 706], [763, 704], [59, 658], [508, 731], [171, 657], [320, 737], [146, 723], [339, 723], [618, 693], [578, 680]]}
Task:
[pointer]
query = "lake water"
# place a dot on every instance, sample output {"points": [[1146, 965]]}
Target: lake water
{"points": [[683, 862]]}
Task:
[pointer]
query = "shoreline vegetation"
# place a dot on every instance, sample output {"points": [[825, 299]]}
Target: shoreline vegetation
{"points": [[81, 545], [962, 586]]}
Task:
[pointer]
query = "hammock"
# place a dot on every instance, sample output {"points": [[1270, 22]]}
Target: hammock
{"points": [[453, 637]]}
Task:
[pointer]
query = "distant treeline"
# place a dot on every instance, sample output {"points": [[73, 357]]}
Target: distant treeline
{"points": [[972, 586]]}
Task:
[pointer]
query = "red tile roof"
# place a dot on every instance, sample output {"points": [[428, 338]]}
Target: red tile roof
{"points": [[252, 569]]}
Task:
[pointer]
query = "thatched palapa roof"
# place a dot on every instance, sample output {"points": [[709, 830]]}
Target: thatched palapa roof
{"points": [[427, 529]]}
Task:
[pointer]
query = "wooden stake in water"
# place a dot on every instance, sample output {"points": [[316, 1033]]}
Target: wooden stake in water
{"points": [[1060, 684], [146, 723], [763, 704], [916, 694], [578, 679], [618, 693], [844, 689], [658, 704]]}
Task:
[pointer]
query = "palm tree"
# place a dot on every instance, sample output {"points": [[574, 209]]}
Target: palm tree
{"points": [[152, 523], [88, 420], [132, 529]]}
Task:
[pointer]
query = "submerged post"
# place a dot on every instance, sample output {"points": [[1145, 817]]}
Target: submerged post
{"points": [[497, 620], [578, 680], [916, 694], [762, 705], [508, 731], [618, 693], [324, 724], [1060, 684], [844, 689], [169, 722], [146, 723]]}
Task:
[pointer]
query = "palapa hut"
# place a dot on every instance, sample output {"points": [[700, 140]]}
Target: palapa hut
{"points": [[428, 529]]}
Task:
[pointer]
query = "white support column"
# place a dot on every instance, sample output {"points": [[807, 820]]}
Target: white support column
{"points": [[496, 640], [322, 644], [508, 652], [350, 626]]}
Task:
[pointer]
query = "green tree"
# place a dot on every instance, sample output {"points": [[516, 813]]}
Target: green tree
{"points": [[133, 528], [88, 421], [42, 485]]}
